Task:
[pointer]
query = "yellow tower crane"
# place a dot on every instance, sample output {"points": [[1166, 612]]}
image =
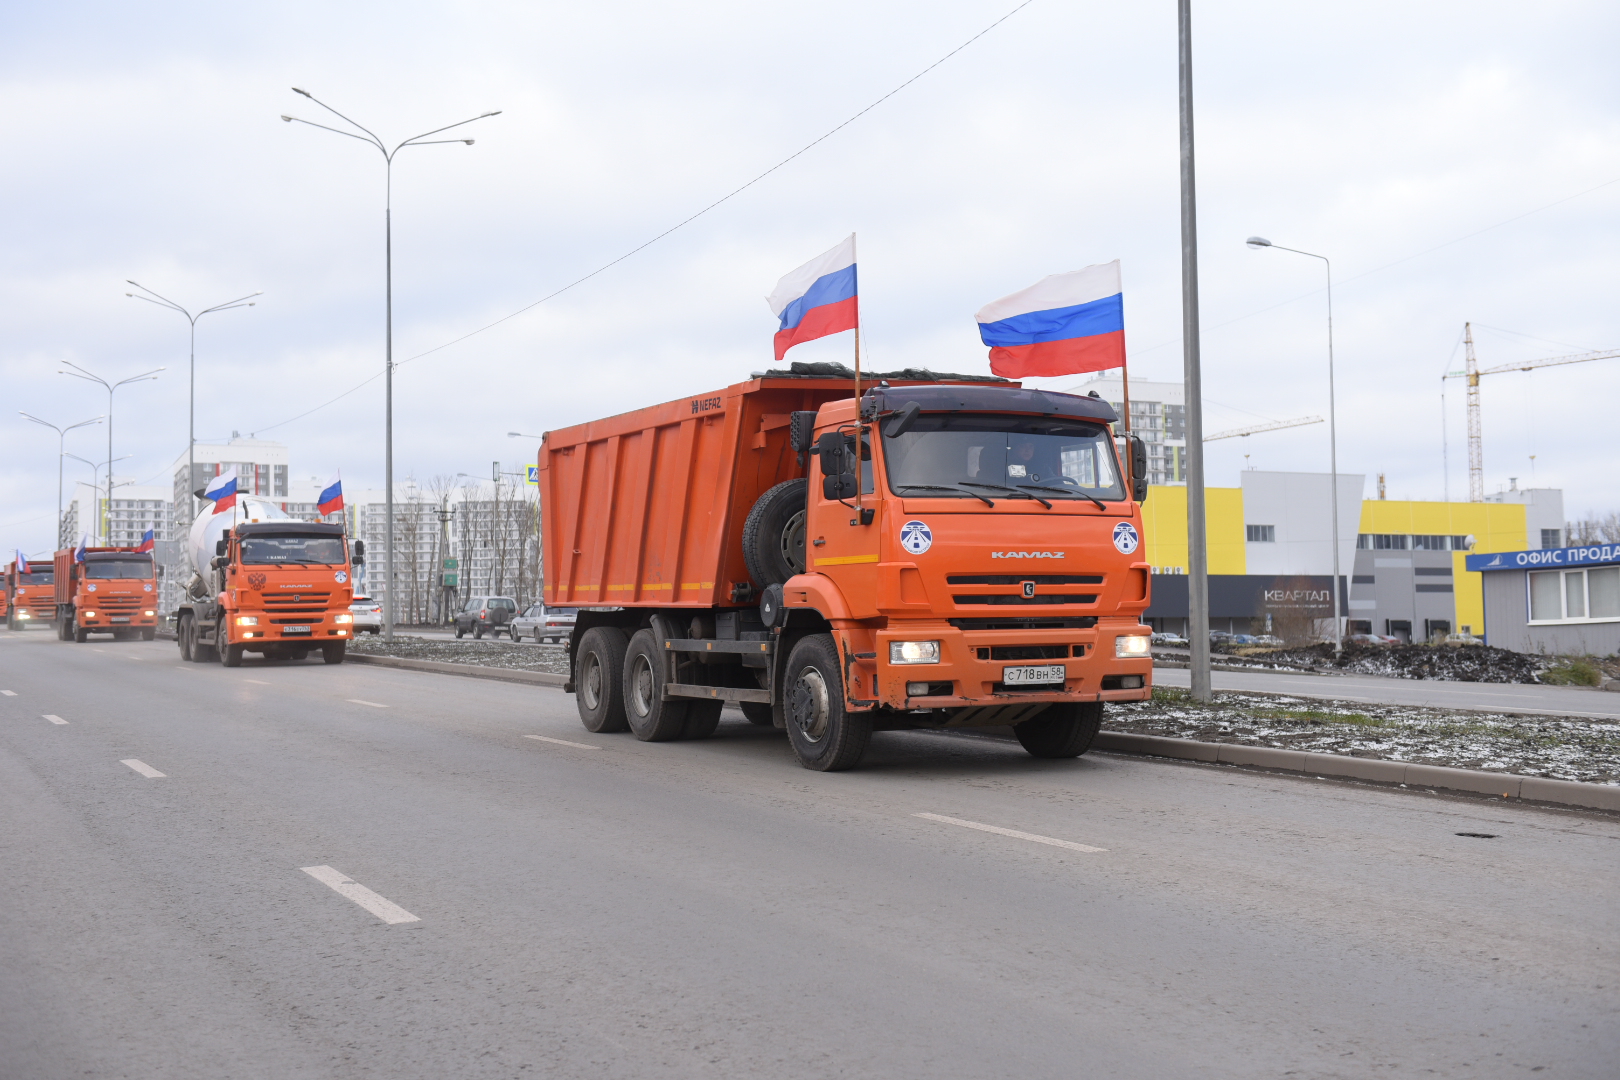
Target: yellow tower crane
{"points": [[1472, 372]]}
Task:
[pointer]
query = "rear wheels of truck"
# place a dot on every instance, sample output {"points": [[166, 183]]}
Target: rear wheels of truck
{"points": [[652, 718], [773, 535], [825, 736], [757, 712], [1064, 730], [599, 678]]}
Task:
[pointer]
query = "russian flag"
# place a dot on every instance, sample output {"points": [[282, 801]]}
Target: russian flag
{"points": [[148, 543], [84, 542], [331, 500], [818, 299], [222, 489], [1065, 324]]}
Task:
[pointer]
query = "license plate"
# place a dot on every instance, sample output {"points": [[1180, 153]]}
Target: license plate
{"points": [[120, 618], [1032, 676], [295, 629]]}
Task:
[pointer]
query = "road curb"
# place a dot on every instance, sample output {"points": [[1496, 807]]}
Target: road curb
{"points": [[1375, 770], [470, 671]]}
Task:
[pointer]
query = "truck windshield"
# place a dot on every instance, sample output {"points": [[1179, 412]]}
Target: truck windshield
{"points": [[969, 455], [292, 549], [118, 568], [47, 577]]}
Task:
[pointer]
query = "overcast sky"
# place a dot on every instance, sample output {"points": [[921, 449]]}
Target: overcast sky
{"points": [[146, 143]]}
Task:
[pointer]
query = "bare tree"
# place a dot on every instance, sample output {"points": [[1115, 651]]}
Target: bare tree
{"points": [[1594, 529]]}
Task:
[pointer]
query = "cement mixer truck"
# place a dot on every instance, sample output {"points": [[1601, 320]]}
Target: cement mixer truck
{"points": [[265, 582]]}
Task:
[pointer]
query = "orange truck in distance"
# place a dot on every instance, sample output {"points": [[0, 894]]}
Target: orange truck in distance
{"points": [[959, 553], [113, 591], [31, 594]]}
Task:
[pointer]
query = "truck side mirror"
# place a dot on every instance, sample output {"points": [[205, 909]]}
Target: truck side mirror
{"points": [[839, 487], [1139, 479], [902, 421], [160, 570], [830, 448], [358, 558], [219, 548]]}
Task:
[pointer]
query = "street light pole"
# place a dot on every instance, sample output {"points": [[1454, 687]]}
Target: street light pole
{"points": [[1192, 366], [95, 478], [191, 421], [388, 337], [1258, 242], [81, 373], [61, 448]]}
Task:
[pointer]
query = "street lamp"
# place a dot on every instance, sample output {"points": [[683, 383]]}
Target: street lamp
{"points": [[61, 448], [191, 421], [1258, 242], [388, 247], [95, 481], [79, 372]]}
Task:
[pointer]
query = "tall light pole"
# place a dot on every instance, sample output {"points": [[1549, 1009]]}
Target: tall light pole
{"points": [[81, 373], [61, 448], [1258, 242], [1192, 366], [191, 409], [95, 476], [388, 249]]}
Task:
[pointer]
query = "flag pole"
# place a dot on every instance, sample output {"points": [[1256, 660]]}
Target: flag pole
{"points": [[860, 428]]}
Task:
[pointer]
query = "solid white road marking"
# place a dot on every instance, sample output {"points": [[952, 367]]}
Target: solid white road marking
{"points": [[55, 719], [384, 909], [373, 704], [564, 742], [1014, 833], [258, 682], [143, 768], [9, 693]]}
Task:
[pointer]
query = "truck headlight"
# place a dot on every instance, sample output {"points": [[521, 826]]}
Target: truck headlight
{"points": [[149, 614], [89, 614], [1134, 647], [247, 620], [913, 652], [343, 618], [24, 615]]}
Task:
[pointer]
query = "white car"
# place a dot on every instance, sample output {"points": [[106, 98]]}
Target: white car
{"points": [[367, 615], [540, 623]]}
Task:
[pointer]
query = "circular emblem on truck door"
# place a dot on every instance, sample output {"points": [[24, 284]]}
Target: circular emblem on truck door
{"points": [[916, 537], [1125, 538]]}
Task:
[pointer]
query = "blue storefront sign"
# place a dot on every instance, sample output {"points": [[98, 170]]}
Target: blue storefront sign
{"points": [[1586, 555]]}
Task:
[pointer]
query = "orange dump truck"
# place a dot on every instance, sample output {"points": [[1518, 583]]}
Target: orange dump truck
{"points": [[112, 591], [960, 554], [31, 593]]}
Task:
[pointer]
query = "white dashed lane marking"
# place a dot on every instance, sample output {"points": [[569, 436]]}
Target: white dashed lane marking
{"points": [[55, 719], [256, 682], [143, 768], [9, 693], [383, 908], [563, 742], [373, 704], [1014, 833]]}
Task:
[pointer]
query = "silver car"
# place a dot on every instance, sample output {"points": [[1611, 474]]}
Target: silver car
{"points": [[367, 615], [540, 623]]}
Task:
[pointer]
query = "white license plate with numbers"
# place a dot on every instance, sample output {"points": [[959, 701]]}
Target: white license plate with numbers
{"points": [[295, 629], [1032, 676]]}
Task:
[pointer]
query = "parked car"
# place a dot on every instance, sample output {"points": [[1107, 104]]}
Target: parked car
{"points": [[1270, 640], [540, 623], [485, 615], [1169, 639], [367, 615], [1373, 639]]}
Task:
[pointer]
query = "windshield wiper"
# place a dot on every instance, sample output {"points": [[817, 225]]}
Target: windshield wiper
{"points": [[941, 487], [1011, 491], [1069, 491]]}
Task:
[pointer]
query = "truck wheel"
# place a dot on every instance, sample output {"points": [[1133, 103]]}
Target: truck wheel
{"points": [[825, 736], [599, 679], [80, 634], [230, 655], [651, 718], [757, 712], [185, 634], [333, 653], [702, 718], [149, 634], [773, 535], [1064, 730]]}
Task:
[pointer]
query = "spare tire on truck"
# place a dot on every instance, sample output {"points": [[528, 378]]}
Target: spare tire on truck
{"points": [[773, 535]]}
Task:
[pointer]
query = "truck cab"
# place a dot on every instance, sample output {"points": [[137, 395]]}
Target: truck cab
{"points": [[106, 591], [280, 588], [32, 592]]}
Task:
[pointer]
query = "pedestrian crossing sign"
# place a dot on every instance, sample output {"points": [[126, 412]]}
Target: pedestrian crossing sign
{"points": [[533, 476]]}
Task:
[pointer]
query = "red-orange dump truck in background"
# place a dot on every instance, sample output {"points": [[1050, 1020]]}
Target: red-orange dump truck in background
{"points": [[32, 594], [962, 553], [113, 591]]}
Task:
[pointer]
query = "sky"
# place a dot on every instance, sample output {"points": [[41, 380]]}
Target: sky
{"points": [[1458, 162]]}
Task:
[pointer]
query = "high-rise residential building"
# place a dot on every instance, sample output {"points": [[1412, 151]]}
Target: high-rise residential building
{"points": [[261, 468], [134, 509], [1158, 415]]}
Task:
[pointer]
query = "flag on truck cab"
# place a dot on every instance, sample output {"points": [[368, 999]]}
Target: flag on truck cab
{"points": [[331, 500], [818, 299], [222, 489], [148, 543], [84, 542], [1065, 324]]}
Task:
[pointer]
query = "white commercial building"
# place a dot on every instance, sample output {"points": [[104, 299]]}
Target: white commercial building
{"points": [[1158, 415]]}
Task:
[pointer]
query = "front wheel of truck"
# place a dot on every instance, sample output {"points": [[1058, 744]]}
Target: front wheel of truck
{"points": [[1064, 730], [334, 652], [652, 717], [598, 678], [230, 655], [825, 735]]}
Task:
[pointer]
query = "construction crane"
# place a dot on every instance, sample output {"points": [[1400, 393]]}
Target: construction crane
{"points": [[1472, 372], [1243, 433]]}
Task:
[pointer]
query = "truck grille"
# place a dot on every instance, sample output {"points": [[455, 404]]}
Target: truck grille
{"points": [[1025, 652], [1048, 598], [287, 603], [1078, 622], [1018, 579], [117, 603]]}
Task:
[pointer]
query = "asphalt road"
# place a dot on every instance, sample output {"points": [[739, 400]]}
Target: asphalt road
{"points": [[578, 905], [1507, 697]]}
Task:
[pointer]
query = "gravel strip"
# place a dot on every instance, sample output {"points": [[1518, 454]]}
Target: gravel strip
{"points": [[486, 653], [1569, 748]]}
